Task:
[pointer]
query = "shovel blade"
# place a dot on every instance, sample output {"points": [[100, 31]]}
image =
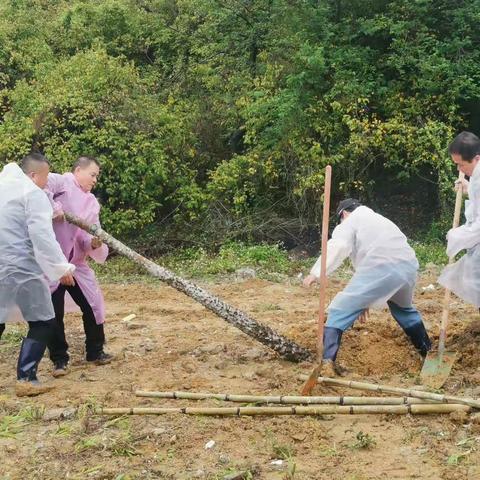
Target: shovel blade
{"points": [[436, 368], [311, 381]]}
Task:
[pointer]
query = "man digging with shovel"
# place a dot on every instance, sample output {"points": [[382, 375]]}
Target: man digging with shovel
{"points": [[385, 271], [463, 276]]}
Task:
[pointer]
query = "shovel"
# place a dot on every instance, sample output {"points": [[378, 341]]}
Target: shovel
{"points": [[437, 365], [312, 379]]}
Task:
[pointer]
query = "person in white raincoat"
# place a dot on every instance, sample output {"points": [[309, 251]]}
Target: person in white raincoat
{"points": [[385, 272], [29, 256], [463, 276]]}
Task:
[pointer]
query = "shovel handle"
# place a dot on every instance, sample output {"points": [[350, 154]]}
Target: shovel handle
{"points": [[323, 263], [446, 298]]}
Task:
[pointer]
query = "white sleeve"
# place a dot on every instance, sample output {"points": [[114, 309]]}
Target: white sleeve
{"points": [[339, 248], [463, 237], [46, 249]]}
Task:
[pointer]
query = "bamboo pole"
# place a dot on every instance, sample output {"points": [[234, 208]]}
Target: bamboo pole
{"points": [[283, 346], [310, 410], [411, 392], [284, 399]]}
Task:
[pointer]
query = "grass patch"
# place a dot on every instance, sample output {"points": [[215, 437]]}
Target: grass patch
{"points": [[11, 425], [266, 260], [431, 252], [364, 441], [13, 334], [270, 262]]}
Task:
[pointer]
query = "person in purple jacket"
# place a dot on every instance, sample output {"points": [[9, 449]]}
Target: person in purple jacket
{"points": [[71, 192]]}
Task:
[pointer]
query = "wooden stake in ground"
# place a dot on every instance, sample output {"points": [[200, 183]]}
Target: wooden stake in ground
{"points": [[317, 410], [411, 392], [312, 379], [284, 399], [283, 346]]}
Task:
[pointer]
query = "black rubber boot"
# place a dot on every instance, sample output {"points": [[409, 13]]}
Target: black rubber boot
{"points": [[419, 338], [31, 353], [2, 329], [332, 338]]}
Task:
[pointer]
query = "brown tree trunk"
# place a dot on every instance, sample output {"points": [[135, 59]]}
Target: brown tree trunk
{"points": [[283, 346]]}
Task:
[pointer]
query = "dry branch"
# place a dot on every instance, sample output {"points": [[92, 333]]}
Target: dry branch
{"points": [[262, 333]]}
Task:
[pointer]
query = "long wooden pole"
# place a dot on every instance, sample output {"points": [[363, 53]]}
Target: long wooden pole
{"points": [[323, 262], [317, 410], [283, 346], [312, 379], [446, 299], [284, 399], [410, 392]]}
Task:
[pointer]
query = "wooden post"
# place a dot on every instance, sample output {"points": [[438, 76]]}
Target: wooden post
{"points": [[283, 346], [312, 379], [323, 266]]}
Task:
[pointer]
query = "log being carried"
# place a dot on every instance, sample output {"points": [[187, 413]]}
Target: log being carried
{"points": [[262, 333]]}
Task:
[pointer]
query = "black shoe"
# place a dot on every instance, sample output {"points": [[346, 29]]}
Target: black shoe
{"points": [[60, 369], [419, 338], [102, 359]]}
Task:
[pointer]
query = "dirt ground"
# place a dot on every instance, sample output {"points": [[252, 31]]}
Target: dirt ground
{"points": [[176, 344]]}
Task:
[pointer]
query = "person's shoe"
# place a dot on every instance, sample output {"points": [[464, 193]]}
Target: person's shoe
{"points": [[31, 388], [102, 359], [60, 369], [328, 369]]}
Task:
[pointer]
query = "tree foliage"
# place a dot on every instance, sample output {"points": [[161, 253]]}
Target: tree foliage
{"points": [[209, 112]]}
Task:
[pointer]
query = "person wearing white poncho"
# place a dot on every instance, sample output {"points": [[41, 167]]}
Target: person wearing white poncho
{"points": [[385, 272], [463, 276], [29, 255]]}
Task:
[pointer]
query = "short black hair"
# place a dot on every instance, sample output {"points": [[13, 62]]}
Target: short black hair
{"points": [[30, 161], [348, 205], [84, 162], [465, 144]]}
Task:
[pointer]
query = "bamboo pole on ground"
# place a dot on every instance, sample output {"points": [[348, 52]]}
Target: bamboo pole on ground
{"points": [[310, 410], [411, 392], [284, 399], [283, 346]]}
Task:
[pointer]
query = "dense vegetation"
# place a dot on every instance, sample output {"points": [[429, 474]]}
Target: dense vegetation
{"points": [[215, 118]]}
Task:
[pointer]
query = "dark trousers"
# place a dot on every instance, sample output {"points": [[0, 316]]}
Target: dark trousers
{"points": [[94, 334], [40, 331]]}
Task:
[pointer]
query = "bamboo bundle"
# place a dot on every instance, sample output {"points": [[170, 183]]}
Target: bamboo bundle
{"points": [[373, 387], [285, 399], [283, 346], [310, 410]]}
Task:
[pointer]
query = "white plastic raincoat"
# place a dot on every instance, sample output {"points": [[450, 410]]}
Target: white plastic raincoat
{"points": [[463, 276], [28, 249], [385, 265]]}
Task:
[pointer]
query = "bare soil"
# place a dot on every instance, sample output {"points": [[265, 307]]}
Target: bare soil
{"points": [[176, 344]]}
